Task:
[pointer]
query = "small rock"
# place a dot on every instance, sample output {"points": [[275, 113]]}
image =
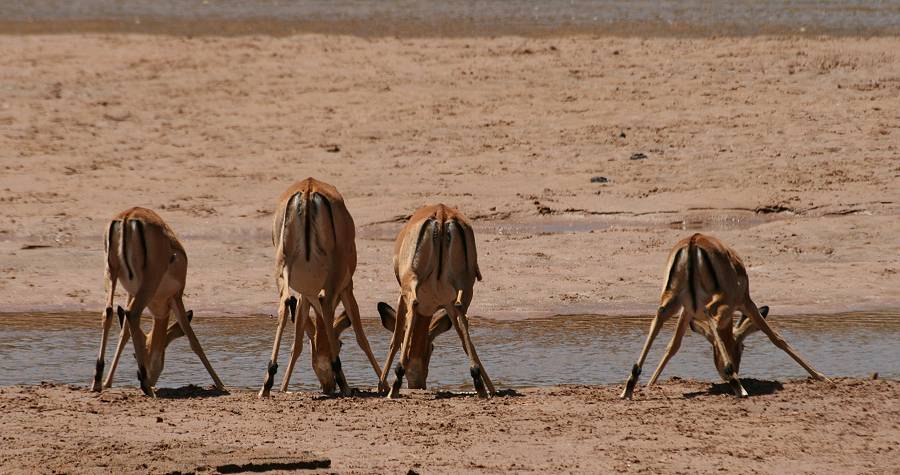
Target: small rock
{"points": [[599, 179], [638, 156], [119, 116], [159, 419], [874, 376], [332, 148], [622, 134]]}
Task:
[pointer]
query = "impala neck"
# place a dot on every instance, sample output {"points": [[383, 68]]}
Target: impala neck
{"points": [[157, 349]]}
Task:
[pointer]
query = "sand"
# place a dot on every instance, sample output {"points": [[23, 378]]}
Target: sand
{"points": [[680, 427], [785, 148]]}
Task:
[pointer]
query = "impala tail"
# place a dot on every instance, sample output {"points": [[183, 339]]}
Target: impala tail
{"points": [[132, 245]]}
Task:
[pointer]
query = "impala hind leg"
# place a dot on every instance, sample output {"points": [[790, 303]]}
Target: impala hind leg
{"points": [[124, 335], [751, 311], [668, 307], [406, 343], [299, 335], [109, 279], [181, 315], [684, 321], [399, 323], [352, 309], [286, 301], [479, 376]]}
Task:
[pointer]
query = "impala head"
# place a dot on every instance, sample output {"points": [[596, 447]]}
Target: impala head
{"points": [[156, 343], [742, 330], [422, 342]]}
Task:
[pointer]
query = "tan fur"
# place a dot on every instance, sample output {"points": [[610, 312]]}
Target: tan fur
{"points": [[315, 255], [436, 265], [143, 254], [708, 282]]}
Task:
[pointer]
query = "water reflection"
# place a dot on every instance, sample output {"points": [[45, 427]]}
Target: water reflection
{"points": [[557, 350]]}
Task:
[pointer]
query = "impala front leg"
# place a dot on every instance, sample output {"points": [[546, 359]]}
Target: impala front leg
{"points": [[722, 323], [132, 317], [324, 307]]}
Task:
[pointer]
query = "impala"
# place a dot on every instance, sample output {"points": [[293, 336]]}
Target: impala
{"points": [[436, 265], [707, 282], [143, 254], [315, 255]]}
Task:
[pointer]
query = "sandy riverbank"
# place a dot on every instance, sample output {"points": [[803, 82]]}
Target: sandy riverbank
{"points": [[785, 148], [680, 427]]}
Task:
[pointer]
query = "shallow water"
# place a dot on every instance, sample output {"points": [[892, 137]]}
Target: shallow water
{"points": [[468, 17], [559, 350]]}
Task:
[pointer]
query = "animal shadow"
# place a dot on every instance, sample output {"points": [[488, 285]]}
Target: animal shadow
{"points": [[754, 387], [454, 394], [189, 392], [354, 393]]}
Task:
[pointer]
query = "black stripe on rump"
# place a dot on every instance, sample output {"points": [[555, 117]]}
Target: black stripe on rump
{"points": [[124, 248], [140, 228]]}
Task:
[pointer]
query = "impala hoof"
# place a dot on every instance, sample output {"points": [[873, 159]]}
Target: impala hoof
{"points": [[96, 385], [395, 389]]}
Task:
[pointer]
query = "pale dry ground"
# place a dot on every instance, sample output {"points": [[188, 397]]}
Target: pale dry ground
{"points": [[680, 427], [208, 131]]}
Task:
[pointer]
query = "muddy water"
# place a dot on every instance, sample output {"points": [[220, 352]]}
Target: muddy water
{"points": [[559, 350]]}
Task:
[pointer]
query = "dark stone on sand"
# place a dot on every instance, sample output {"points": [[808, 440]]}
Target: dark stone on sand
{"points": [[638, 156], [599, 179]]}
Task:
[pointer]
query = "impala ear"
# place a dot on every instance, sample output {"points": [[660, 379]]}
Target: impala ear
{"points": [[121, 313], [341, 323], [746, 327], [388, 316], [763, 311], [439, 325]]}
